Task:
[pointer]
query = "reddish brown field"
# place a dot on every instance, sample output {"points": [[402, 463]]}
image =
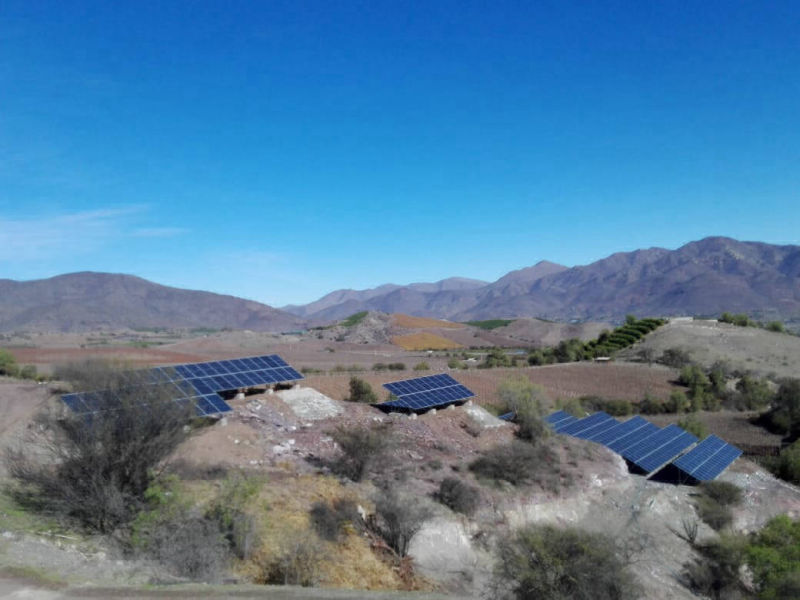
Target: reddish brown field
{"points": [[137, 356], [409, 322], [733, 427], [424, 340], [625, 381]]}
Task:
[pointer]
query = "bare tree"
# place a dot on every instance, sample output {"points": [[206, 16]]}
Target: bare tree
{"points": [[94, 468], [399, 518]]}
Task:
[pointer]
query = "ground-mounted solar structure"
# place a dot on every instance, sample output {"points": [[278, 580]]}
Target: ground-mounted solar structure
{"points": [[650, 449], [424, 393], [708, 459], [197, 384]]}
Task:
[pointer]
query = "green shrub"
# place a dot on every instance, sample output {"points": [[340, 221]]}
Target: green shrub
{"points": [[525, 400], [615, 408], [329, 518], [715, 502], [361, 449], [518, 463], [652, 406], [788, 464], [176, 535], [458, 496], [229, 511], [775, 326], [773, 556], [714, 573], [675, 357], [753, 394], [423, 366], [8, 364], [544, 562], [361, 391], [694, 426], [678, 402]]}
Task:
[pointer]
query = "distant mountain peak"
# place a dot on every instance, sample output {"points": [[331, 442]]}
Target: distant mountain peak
{"points": [[90, 300]]}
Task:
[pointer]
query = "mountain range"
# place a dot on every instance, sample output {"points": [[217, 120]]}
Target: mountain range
{"points": [[706, 277], [88, 301]]}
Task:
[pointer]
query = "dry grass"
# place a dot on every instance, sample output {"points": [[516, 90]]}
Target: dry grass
{"points": [[409, 322], [424, 341], [284, 518]]}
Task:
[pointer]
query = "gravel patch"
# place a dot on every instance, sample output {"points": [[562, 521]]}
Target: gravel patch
{"points": [[308, 403]]}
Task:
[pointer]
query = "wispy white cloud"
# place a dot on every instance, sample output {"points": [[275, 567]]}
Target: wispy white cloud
{"points": [[158, 232], [77, 233]]}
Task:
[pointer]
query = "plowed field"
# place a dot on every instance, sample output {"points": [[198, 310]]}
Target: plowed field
{"points": [[424, 340]]}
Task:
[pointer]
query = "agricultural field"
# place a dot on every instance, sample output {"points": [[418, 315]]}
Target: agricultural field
{"points": [[424, 340]]}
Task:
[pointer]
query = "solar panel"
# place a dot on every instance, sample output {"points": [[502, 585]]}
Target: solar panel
{"points": [[659, 448], [658, 458], [585, 423], [708, 459], [557, 416], [607, 436], [599, 428], [198, 383], [634, 437], [424, 393], [564, 423]]}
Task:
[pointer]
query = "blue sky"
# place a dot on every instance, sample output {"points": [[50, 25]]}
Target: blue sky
{"points": [[280, 150]]}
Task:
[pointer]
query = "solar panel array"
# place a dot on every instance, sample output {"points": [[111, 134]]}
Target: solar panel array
{"points": [[424, 393], [708, 459], [648, 446], [196, 384]]}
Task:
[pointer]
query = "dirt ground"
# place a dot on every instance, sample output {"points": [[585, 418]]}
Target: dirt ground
{"points": [[287, 437]]}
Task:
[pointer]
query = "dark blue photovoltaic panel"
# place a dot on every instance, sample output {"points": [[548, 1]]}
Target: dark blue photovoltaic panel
{"points": [[564, 423], [74, 402], [585, 423], [557, 416], [197, 383], [652, 443], [424, 393], [664, 454], [587, 434], [626, 441], [609, 435], [717, 463], [708, 459]]}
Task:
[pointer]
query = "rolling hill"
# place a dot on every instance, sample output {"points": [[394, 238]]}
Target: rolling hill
{"points": [[88, 301]]}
